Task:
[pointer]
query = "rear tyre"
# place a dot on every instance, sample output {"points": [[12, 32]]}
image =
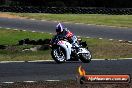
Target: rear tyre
{"points": [[85, 57]]}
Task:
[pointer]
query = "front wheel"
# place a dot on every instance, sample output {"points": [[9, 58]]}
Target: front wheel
{"points": [[85, 57], [58, 55]]}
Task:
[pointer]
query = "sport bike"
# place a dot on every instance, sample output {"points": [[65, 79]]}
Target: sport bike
{"points": [[63, 51]]}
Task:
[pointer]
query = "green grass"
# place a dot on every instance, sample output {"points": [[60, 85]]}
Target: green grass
{"points": [[109, 49], [99, 19], [11, 36], [14, 52], [103, 49], [24, 56]]}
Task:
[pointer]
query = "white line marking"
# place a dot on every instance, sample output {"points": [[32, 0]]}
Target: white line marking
{"points": [[24, 30], [101, 25], [26, 61], [53, 60], [126, 58], [53, 80], [15, 29], [86, 24], [43, 20], [120, 40], [33, 31], [100, 38], [32, 19], [87, 37], [103, 59], [8, 28], [79, 23], [106, 26], [12, 61], [110, 39], [122, 27], [50, 33], [29, 81], [56, 21], [8, 82], [42, 61], [130, 41], [91, 24], [115, 59], [78, 36], [112, 26], [98, 59]]}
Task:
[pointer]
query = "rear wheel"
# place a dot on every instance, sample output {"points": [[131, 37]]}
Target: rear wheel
{"points": [[85, 57], [58, 54]]}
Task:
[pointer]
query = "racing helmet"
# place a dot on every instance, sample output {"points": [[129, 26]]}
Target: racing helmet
{"points": [[59, 28]]}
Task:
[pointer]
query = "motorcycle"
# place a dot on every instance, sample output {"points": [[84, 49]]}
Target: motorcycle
{"points": [[63, 51]]}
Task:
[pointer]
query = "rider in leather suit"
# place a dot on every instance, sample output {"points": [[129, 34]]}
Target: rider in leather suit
{"points": [[64, 33]]}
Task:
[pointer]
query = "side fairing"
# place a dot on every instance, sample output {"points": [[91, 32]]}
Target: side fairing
{"points": [[67, 46]]}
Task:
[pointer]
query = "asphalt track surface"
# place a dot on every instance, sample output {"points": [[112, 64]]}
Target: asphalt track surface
{"points": [[37, 71], [78, 29], [50, 70]]}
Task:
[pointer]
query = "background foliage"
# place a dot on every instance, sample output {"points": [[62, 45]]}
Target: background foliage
{"points": [[69, 3]]}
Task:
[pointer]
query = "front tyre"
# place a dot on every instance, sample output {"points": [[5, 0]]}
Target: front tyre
{"points": [[85, 57], [58, 55]]}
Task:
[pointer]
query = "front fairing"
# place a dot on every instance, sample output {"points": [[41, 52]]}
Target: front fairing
{"points": [[67, 47]]}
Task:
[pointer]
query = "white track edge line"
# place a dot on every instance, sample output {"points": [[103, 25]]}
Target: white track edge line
{"points": [[52, 80], [7, 82], [53, 60], [29, 81]]}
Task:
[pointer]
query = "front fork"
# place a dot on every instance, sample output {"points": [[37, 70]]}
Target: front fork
{"points": [[59, 50]]}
